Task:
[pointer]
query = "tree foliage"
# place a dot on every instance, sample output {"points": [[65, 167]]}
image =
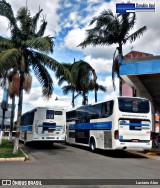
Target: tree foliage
{"points": [[28, 45], [27, 50], [83, 79], [112, 29]]}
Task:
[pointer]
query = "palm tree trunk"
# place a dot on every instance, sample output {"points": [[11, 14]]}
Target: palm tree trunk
{"points": [[95, 84], [73, 99], [120, 61], [12, 117], [95, 90], [2, 126], [16, 143], [85, 100]]}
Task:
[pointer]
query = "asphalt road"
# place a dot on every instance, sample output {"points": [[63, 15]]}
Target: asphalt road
{"points": [[69, 162]]}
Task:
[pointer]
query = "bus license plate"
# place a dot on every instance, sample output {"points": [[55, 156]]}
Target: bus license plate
{"points": [[135, 140], [50, 130]]}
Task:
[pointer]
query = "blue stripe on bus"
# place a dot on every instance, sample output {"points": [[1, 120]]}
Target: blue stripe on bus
{"points": [[26, 128], [91, 126], [50, 126], [134, 124]]}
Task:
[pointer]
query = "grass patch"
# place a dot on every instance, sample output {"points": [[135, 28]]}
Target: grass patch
{"points": [[6, 150]]}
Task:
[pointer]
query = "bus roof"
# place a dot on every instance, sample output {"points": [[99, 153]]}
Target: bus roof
{"points": [[49, 108], [108, 99]]}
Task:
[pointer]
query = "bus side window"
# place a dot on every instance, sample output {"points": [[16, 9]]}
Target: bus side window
{"points": [[70, 116], [110, 107], [107, 109]]}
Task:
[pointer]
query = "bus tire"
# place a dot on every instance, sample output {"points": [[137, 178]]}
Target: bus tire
{"points": [[92, 145]]}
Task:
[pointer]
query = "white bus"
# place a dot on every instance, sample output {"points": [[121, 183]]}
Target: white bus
{"points": [[119, 123], [43, 124]]}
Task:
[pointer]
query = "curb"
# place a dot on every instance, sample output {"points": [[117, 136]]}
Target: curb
{"points": [[12, 159], [15, 158]]}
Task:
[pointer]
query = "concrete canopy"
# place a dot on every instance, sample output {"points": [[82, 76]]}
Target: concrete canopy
{"points": [[143, 73]]}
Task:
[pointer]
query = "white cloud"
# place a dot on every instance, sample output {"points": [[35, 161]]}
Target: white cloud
{"points": [[99, 57], [100, 65], [49, 12], [107, 82], [4, 28], [35, 99], [73, 15], [73, 38], [146, 43]]}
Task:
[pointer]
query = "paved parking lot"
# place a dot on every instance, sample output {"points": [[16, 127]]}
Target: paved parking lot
{"points": [[70, 162]]}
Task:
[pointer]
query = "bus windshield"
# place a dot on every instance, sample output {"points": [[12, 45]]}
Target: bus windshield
{"points": [[133, 105]]}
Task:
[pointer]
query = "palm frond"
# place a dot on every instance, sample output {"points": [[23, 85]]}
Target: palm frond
{"points": [[95, 86], [105, 17], [81, 67], [105, 31], [35, 21], [42, 29], [44, 78], [51, 64], [61, 80], [135, 35], [68, 66], [67, 89], [43, 44], [6, 11], [25, 20], [5, 43], [77, 95], [59, 74], [102, 88], [9, 59]]}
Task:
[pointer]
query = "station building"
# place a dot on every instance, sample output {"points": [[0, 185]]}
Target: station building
{"points": [[140, 73]]}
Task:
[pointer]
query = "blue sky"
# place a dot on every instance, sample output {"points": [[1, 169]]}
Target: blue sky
{"points": [[67, 22]]}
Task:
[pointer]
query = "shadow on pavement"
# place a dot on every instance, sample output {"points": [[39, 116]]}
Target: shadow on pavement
{"points": [[114, 153], [43, 145]]}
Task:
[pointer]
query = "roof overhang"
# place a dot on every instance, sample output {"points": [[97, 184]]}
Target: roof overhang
{"points": [[147, 71]]}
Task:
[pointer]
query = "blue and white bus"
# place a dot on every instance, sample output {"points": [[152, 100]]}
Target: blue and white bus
{"points": [[43, 124], [119, 123]]}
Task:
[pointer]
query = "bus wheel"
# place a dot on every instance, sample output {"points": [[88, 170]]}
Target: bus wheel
{"points": [[92, 145]]}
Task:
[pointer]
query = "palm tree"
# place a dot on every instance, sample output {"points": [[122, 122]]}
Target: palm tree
{"points": [[27, 50], [96, 87], [112, 29], [62, 78], [81, 83]]}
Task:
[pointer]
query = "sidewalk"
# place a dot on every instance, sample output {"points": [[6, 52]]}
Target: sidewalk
{"points": [[153, 151]]}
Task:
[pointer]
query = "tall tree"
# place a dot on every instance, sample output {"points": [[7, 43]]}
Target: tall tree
{"points": [[83, 80], [27, 49], [112, 29], [71, 85]]}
